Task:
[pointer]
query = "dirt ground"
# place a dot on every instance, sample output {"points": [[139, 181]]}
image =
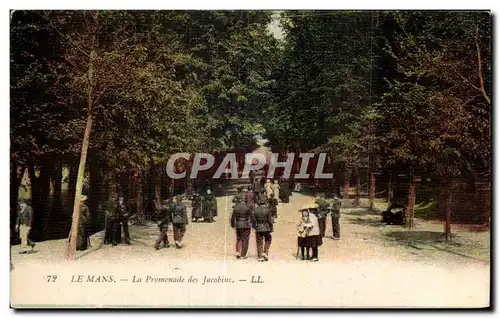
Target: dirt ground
{"points": [[372, 265]]}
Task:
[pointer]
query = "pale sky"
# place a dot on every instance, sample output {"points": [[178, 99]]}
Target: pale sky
{"points": [[275, 27]]}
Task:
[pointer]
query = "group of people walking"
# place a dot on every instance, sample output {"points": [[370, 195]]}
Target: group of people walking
{"points": [[204, 206], [256, 209], [246, 216], [172, 212], [117, 218]]}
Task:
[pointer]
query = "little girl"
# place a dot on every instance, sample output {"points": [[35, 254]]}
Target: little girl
{"points": [[308, 235], [303, 228]]}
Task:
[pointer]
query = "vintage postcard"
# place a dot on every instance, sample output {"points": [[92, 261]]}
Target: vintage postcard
{"points": [[250, 159]]}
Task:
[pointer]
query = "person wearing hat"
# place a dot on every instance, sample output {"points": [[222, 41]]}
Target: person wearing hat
{"points": [[262, 222], [24, 223], [82, 237], [312, 238], [335, 213], [303, 228], [179, 221], [241, 222]]}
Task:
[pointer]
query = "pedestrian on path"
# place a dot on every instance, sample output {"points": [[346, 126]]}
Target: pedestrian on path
{"points": [[335, 208], [262, 222], [276, 189], [179, 220], [309, 233], [165, 213], [24, 223], [241, 222]]}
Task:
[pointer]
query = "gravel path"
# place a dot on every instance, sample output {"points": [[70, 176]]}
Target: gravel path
{"points": [[368, 267]]}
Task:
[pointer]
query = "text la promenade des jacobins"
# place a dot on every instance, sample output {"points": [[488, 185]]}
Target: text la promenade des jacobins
{"points": [[253, 162], [148, 279]]}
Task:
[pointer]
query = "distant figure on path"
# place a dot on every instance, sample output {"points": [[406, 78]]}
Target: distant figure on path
{"points": [[335, 208], [82, 237]]}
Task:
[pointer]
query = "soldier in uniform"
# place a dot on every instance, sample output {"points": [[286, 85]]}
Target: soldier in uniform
{"points": [[335, 209], [262, 222], [273, 205], [165, 215], [179, 221], [24, 223], [323, 209], [241, 221], [82, 237], [262, 196]]}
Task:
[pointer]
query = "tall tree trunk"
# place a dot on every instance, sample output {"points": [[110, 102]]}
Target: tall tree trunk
{"points": [[346, 184], [71, 248], [389, 189], [447, 225], [358, 185], [156, 177], [411, 200], [372, 189], [56, 207], [138, 198]]}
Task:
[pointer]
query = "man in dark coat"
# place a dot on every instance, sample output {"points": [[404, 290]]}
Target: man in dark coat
{"points": [[335, 211], [241, 221], [121, 221], [165, 216], [179, 221], [262, 222], [285, 191], [82, 237], [273, 205], [209, 207], [24, 223], [323, 209]]}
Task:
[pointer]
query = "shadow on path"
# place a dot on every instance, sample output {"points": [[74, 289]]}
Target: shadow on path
{"points": [[368, 222]]}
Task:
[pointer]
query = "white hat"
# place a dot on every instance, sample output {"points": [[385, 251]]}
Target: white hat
{"points": [[83, 198]]}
